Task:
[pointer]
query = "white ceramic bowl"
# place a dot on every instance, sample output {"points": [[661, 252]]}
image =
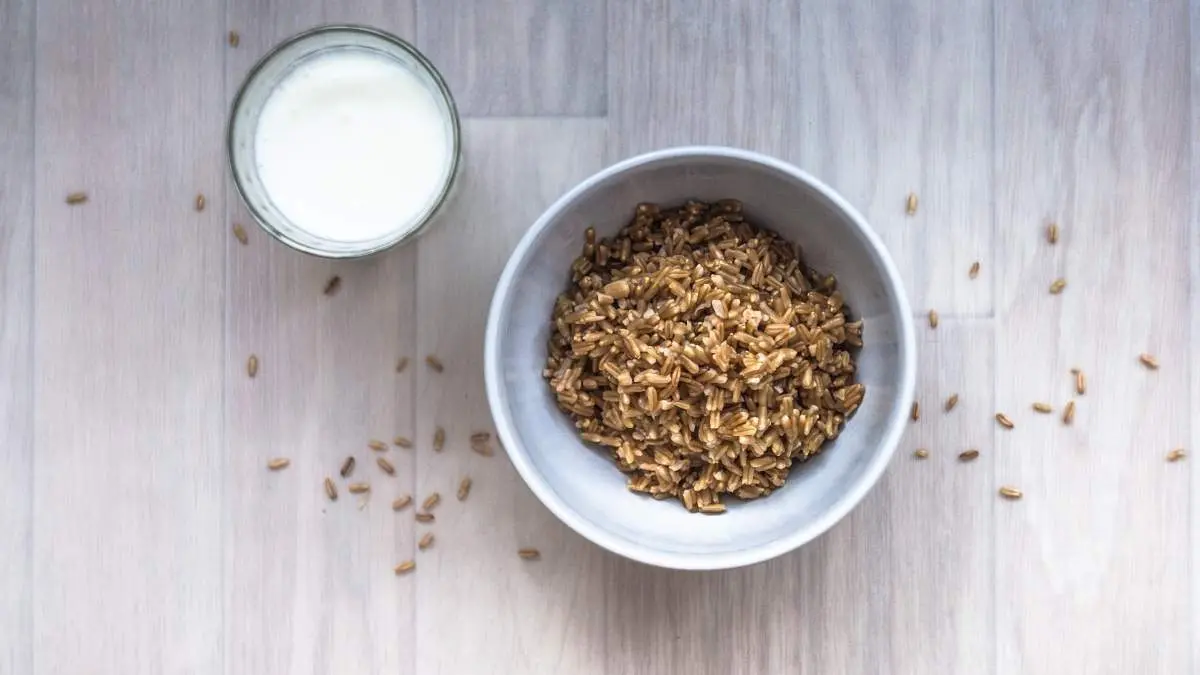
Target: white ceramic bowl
{"points": [[581, 484]]}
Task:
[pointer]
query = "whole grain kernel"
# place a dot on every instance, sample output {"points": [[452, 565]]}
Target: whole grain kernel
{"points": [[933, 318], [439, 439], [400, 502], [423, 517], [1176, 455], [920, 453], [1058, 286], [974, 271], [347, 467], [359, 488], [234, 39], [435, 363], [402, 442], [401, 364], [199, 203], [968, 455], [1043, 407], [464, 489], [404, 567], [951, 402], [426, 541], [377, 445], [330, 489], [1009, 492], [240, 233], [386, 466], [529, 553], [332, 286], [1080, 383], [76, 198], [252, 366], [910, 204], [481, 437], [1069, 413], [278, 463], [1004, 420], [431, 501], [915, 411], [1052, 233], [1149, 361]]}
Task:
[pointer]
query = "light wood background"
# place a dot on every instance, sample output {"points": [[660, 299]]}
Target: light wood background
{"points": [[141, 533]]}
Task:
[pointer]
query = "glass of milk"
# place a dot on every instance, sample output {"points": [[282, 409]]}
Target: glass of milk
{"points": [[344, 141]]}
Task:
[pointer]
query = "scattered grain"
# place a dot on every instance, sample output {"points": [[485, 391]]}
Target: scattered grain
{"points": [[199, 204], [1052, 233], [435, 363], [951, 402], [401, 364], [431, 501], [359, 488], [1149, 361], [278, 463], [529, 553], [426, 541], [1176, 455], [481, 437], [240, 233], [404, 567], [402, 442], [933, 318], [1043, 407], [424, 517], [1080, 383], [252, 366], [234, 39], [464, 489], [974, 271], [968, 455], [401, 502], [1058, 286], [1010, 492], [347, 467], [915, 411], [920, 453], [330, 489], [386, 466], [439, 439], [76, 198], [910, 204], [1004, 420], [1069, 413], [377, 445], [332, 286]]}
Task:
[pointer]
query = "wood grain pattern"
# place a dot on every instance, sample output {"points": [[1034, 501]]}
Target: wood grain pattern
{"points": [[532, 57], [1093, 132], [504, 614], [16, 335], [309, 586], [128, 477]]}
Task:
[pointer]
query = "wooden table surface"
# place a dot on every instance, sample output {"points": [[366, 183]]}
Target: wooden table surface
{"points": [[140, 531]]}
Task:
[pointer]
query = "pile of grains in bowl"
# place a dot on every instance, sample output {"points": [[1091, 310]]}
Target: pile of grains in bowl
{"points": [[704, 353]]}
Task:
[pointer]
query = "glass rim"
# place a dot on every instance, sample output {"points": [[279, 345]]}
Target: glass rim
{"points": [[263, 221]]}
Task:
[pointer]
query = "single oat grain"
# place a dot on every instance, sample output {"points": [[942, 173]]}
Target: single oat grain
{"points": [[386, 466], [330, 489], [1004, 420], [426, 541], [1043, 407], [402, 442], [76, 198], [332, 286], [968, 455], [239, 233], [347, 467], [1058, 286], [1010, 492], [359, 488], [1149, 361], [439, 439], [464, 489], [278, 463], [1069, 413], [933, 318], [920, 453], [974, 271], [951, 402], [252, 366], [404, 567], [529, 553], [1176, 455], [910, 204], [424, 517], [401, 502], [401, 364], [435, 363], [199, 204], [377, 445], [431, 501]]}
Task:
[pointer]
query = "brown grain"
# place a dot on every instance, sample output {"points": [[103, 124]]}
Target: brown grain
{"points": [[1149, 361], [1009, 492], [439, 439], [914, 412], [529, 553], [402, 442], [1052, 233], [481, 437], [464, 489], [401, 502], [252, 366], [1080, 383], [200, 201], [431, 501], [1069, 413], [386, 466], [1176, 455], [347, 467], [1043, 407], [405, 567], [401, 364], [1004, 420], [933, 318], [359, 488], [234, 39], [435, 363], [951, 402], [330, 489], [968, 455], [278, 463], [239, 233], [332, 286], [76, 198], [424, 517], [920, 453], [974, 271], [377, 445], [910, 204], [1058, 286], [426, 541]]}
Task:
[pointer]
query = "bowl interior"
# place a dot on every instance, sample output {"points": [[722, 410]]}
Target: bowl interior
{"points": [[580, 483]]}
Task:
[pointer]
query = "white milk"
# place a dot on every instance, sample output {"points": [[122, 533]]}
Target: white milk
{"points": [[351, 146]]}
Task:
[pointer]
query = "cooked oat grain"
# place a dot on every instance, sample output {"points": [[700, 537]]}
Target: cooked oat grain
{"points": [[424, 517], [252, 366], [1080, 382], [529, 553], [1149, 361], [377, 445], [920, 453], [404, 567], [933, 318], [1052, 233], [439, 439], [359, 488], [974, 271], [239, 232], [910, 204], [234, 39], [1069, 413], [278, 463], [76, 198], [332, 286], [915, 412], [401, 364], [1043, 407], [968, 455], [464, 489], [330, 489], [386, 466], [347, 467], [401, 502], [951, 402], [1010, 492], [1058, 286], [431, 501], [481, 437], [402, 442], [435, 363], [693, 343], [426, 541], [1004, 420], [1176, 455], [200, 202]]}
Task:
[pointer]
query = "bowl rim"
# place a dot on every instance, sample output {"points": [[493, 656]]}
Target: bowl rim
{"points": [[586, 527]]}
